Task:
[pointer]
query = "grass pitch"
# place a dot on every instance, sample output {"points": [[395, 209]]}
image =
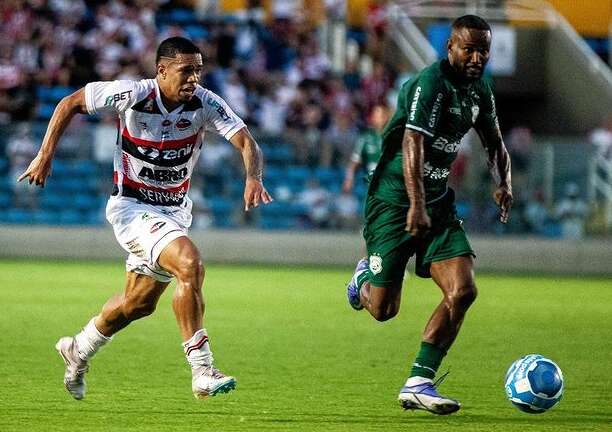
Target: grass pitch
{"points": [[303, 359]]}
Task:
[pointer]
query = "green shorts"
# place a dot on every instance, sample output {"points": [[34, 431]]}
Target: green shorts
{"points": [[390, 246]]}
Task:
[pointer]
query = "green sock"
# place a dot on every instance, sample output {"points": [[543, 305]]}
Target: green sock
{"points": [[427, 361]]}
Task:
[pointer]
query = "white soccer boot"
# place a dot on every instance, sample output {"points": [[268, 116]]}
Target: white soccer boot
{"points": [[422, 394], [74, 377], [208, 381]]}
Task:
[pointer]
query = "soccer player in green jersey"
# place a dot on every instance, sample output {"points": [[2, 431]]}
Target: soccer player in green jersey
{"points": [[367, 150], [410, 208]]}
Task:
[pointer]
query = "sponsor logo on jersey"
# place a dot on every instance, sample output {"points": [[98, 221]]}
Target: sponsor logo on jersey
{"points": [[157, 226], [165, 154], [135, 248], [444, 145], [183, 123], [435, 173], [455, 110], [161, 197], [162, 175], [220, 110], [435, 111], [113, 99], [150, 152]]}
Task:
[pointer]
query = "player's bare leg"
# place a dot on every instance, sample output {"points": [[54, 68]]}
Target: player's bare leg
{"points": [[383, 303], [182, 258], [138, 300], [455, 277]]}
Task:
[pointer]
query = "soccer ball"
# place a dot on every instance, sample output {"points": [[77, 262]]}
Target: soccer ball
{"points": [[534, 384]]}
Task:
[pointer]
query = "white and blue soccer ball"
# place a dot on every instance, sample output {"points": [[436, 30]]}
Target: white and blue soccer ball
{"points": [[534, 384]]}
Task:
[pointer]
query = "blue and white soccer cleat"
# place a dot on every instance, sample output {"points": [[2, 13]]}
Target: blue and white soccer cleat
{"points": [[422, 394], [352, 290], [74, 376], [208, 382]]}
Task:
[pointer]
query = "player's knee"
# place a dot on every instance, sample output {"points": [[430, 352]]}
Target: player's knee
{"points": [[384, 313], [464, 295], [190, 269]]}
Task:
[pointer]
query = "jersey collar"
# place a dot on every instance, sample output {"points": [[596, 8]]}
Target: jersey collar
{"points": [[161, 105]]}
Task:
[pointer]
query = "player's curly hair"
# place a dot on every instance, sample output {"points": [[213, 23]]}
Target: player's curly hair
{"points": [[471, 22], [175, 45]]}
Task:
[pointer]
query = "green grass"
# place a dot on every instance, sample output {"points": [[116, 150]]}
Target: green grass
{"points": [[303, 359]]}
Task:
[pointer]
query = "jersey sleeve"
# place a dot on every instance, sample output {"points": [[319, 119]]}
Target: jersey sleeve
{"points": [[423, 103], [219, 117], [487, 117], [109, 96]]}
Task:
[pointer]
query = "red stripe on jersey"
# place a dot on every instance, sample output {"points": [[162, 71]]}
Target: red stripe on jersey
{"points": [[133, 184], [169, 144]]}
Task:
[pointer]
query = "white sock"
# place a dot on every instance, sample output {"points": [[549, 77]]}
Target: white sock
{"points": [[197, 350], [416, 380], [90, 340]]}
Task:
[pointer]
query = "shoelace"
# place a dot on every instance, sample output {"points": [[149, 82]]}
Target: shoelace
{"points": [[439, 381], [212, 371]]}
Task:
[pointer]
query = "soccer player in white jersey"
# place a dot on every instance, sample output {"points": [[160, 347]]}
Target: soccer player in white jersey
{"points": [[162, 125]]}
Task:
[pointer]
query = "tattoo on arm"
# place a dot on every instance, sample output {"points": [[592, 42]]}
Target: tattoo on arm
{"points": [[413, 157], [253, 160]]}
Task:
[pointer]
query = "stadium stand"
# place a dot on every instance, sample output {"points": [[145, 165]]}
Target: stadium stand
{"points": [[270, 69]]}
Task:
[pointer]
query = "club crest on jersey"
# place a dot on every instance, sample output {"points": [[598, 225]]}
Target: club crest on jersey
{"points": [[183, 123], [475, 112], [375, 264], [157, 226]]}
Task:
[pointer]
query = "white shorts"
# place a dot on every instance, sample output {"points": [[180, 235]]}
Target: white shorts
{"points": [[144, 231]]}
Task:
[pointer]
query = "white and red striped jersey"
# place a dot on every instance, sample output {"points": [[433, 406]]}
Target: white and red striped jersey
{"points": [[157, 150]]}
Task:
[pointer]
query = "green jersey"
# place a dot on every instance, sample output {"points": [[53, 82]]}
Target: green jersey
{"points": [[367, 150], [443, 108]]}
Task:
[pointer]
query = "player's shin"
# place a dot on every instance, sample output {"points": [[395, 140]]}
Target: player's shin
{"points": [[197, 350]]}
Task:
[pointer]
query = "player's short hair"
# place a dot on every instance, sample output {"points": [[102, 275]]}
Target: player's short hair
{"points": [[471, 22], [175, 45]]}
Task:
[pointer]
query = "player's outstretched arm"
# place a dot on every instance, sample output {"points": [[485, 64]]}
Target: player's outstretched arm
{"points": [[413, 159], [498, 161], [349, 176], [40, 167], [254, 191]]}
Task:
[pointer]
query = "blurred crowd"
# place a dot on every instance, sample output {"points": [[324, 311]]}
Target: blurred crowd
{"points": [[267, 64], [270, 66]]}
